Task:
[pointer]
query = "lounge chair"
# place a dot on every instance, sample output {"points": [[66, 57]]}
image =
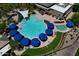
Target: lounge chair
{"points": [[58, 21]]}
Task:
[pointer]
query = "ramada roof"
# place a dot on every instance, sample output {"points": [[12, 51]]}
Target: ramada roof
{"points": [[3, 43]]}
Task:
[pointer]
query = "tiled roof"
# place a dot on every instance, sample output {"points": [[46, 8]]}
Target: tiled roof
{"points": [[3, 43]]}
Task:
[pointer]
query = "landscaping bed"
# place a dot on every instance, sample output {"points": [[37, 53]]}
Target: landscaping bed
{"points": [[46, 49], [77, 52]]}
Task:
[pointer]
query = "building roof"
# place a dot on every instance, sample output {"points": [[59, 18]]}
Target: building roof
{"points": [[63, 4], [61, 7], [24, 13], [3, 43], [47, 4]]}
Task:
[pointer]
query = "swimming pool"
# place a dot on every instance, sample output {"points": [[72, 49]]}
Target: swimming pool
{"points": [[32, 27], [61, 27]]}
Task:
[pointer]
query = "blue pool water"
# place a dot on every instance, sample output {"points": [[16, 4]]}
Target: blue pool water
{"points": [[32, 27], [61, 27]]}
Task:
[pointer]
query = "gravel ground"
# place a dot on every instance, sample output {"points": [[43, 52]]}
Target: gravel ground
{"points": [[70, 45]]}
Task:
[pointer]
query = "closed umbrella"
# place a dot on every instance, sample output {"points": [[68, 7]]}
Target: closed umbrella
{"points": [[49, 32], [70, 24], [50, 25], [35, 42], [12, 32], [43, 37], [18, 37], [25, 41], [12, 26]]}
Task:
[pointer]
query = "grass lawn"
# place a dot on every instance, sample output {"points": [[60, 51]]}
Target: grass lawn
{"points": [[77, 53], [46, 49]]}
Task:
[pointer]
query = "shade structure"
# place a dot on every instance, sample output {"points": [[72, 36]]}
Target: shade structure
{"points": [[43, 37], [35, 42], [50, 25], [49, 32], [18, 37], [70, 24], [25, 41], [24, 13], [12, 26], [13, 32]]}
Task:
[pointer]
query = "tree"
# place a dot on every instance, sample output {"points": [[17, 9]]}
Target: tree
{"points": [[75, 18], [2, 25], [75, 7]]}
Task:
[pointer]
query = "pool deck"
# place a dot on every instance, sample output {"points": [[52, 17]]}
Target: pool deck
{"points": [[48, 18], [51, 20], [50, 39], [43, 44]]}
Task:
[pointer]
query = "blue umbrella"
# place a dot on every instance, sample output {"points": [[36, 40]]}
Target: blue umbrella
{"points": [[50, 25], [49, 32], [13, 32], [35, 42], [18, 37], [25, 42], [43, 37], [70, 24], [12, 26]]}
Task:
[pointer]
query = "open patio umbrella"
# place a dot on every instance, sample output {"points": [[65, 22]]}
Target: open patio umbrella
{"points": [[35, 42], [12, 32], [70, 24], [18, 37], [43, 37], [25, 41], [12, 26], [49, 32], [50, 25]]}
